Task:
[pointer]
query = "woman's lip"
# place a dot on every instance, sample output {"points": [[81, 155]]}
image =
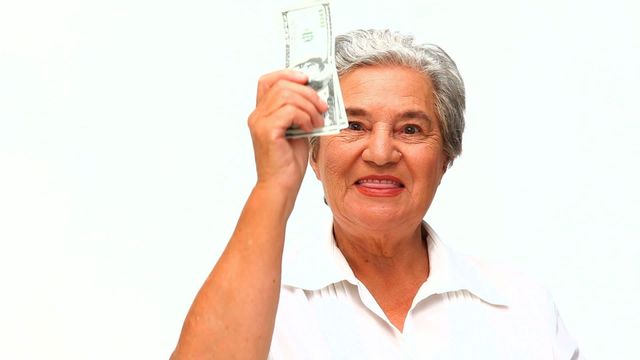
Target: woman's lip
{"points": [[379, 192], [379, 186]]}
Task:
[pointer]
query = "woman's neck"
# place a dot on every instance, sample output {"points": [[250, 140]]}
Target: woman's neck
{"points": [[392, 265], [383, 253]]}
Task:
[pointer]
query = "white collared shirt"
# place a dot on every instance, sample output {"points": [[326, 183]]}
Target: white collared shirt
{"points": [[465, 310]]}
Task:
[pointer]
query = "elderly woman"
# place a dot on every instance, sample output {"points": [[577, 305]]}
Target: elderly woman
{"points": [[379, 284]]}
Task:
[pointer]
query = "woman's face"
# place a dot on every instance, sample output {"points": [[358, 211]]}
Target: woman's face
{"points": [[383, 171]]}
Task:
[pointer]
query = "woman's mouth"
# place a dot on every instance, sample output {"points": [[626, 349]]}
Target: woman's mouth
{"points": [[379, 186]]}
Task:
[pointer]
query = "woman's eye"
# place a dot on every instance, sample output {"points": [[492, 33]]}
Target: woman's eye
{"points": [[355, 126], [411, 129]]}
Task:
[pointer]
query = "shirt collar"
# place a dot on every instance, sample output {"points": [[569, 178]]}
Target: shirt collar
{"points": [[316, 263], [319, 262], [451, 271]]}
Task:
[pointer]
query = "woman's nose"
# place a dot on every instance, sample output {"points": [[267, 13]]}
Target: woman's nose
{"points": [[381, 149]]}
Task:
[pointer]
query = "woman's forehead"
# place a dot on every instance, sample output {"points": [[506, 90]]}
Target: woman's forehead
{"points": [[394, 89]]}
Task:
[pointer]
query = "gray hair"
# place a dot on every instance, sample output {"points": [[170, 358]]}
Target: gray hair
{"points": [[360, 48]]}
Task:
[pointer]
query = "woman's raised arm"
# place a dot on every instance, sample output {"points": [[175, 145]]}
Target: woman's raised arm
{"points": [[233, 314]]}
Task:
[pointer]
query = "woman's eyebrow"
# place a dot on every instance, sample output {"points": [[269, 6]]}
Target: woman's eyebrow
{"points": [[411, 114], [415, 114], [351, 111]]}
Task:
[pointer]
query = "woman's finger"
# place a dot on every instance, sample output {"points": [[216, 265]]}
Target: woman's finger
{"points": [[268, 80], [298, 118], [280, 119], [282, 80], [284, 96]]}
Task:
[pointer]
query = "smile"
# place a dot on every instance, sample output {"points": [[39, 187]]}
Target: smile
{"points": [[379, 186]]}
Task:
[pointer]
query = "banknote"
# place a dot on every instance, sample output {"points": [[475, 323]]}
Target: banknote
{"points": [[310, 48]]}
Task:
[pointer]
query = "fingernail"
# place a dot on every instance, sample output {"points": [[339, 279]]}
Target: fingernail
{"points": [[299, 75]]}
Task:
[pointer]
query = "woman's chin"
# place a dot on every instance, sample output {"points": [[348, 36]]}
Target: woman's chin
{"points": [[379, 216]]}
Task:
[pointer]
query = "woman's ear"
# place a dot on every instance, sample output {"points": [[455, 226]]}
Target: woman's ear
{"points": [[445, 167], [314, 164], [313, 157], [447, 164]]}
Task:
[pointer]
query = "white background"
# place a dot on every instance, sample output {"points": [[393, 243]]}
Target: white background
{"points": [[125, 158]]}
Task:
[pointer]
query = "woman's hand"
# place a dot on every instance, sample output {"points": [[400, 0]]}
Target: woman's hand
{"points": [[283, 100]]}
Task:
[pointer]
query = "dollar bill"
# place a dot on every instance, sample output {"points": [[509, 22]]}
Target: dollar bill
{"points": [[310, 48]]}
